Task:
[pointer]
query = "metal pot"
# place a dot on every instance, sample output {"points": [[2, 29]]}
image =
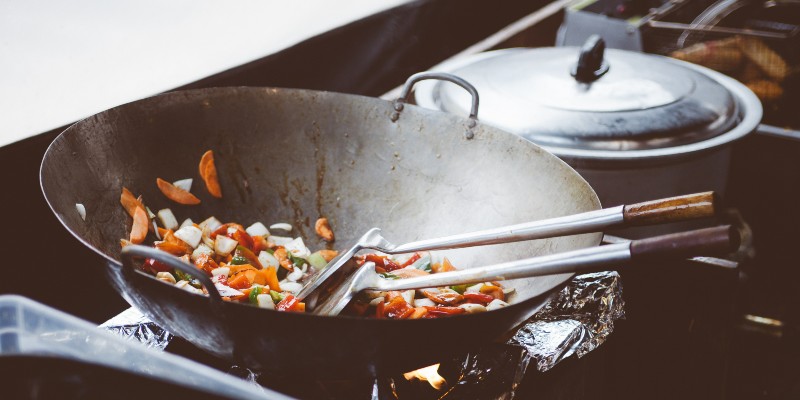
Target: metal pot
{"points": [[295, 155], [636, 126]]}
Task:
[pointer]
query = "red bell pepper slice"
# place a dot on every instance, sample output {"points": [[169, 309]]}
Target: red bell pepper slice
{"points": [[479, 298]]}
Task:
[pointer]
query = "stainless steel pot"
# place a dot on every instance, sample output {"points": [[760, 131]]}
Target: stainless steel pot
{"points": [[634, 125]]}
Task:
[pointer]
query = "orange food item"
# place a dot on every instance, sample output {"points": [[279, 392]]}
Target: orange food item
{"points": [[175, 194], [139, 228], [239, 281], [208, 171], [171, 248], [270, 276], [129, 202], [328, 255], [443, 267], [324, 230], [494, 291], [236, 269], [283, 259]]}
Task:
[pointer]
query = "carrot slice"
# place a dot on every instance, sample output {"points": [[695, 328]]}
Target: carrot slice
{"points": [[139, 228], [208, 171], [270, 275], [129, 201], [176, 194]]}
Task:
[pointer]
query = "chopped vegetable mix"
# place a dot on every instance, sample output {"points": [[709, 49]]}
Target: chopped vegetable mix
{"points": [[244, 263]]}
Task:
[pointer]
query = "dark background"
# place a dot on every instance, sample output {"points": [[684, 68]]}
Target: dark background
{"points": [[684, 336]]}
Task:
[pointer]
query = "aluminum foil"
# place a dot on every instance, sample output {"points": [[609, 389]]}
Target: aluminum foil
{"points": [[133, 325], [576, 321]]}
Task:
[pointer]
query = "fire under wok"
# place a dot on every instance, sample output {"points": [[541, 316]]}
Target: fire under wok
{"points": [[295, 155]]}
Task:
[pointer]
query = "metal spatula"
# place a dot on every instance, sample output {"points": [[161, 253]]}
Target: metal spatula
{"points": [[647, 213], [709, 241]]}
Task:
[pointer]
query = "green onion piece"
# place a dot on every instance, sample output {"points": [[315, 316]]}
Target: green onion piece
{"points": [[239, 260], [317, 261], [182, 276], [254, 292], [387, 275], [459, 288], [297, 261], [276, 296]]}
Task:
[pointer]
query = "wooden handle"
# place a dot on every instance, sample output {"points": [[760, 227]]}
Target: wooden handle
{"points": [[702, 242], [679, 208]]}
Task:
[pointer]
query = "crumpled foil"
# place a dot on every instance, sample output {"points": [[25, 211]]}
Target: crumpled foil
{"points": [[576, 321], [133, 325]]}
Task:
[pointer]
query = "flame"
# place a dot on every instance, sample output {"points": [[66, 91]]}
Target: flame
{"points": [[429, 374]]}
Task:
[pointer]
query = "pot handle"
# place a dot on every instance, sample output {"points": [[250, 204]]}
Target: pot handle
{"points": [[405, 94], [134, 250]]}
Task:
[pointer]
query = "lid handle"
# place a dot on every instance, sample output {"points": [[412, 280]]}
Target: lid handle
{"points": [[591, 64]]}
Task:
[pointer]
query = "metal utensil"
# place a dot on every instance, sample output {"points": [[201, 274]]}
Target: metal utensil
{"points": [[685, 244], [672, 209]]}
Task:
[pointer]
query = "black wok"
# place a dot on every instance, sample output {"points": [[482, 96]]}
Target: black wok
{"points": [[294, 155]]}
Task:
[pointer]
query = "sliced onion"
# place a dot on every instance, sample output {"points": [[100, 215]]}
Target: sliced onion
{"points": [[224, 245], [211, 223], [496, 304], [474, 288], [282, 226], [221, 271], [472, 308], [81, 210], [186, 222], [257, 229], [295, 275], [227, 291], [265, 301], [297, 248], [167, 219], [166, 277], [280, 240], [408, 296], [267, 260], [185, 184], [202, 249], [424, 303], [292, 287], [190, 234]]}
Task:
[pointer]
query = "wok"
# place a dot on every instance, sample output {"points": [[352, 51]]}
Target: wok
{"points": [[295, 155]]}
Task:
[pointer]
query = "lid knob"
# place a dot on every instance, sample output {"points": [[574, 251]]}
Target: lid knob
{"points": [[591, 64]]}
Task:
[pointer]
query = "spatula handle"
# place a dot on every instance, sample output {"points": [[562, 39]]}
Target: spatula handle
{"points": [[709, 241], [671, 209]]}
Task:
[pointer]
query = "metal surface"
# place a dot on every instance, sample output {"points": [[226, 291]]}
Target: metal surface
{"points": [[592, 221], [645, 109], [576, 261], [295, 155]]}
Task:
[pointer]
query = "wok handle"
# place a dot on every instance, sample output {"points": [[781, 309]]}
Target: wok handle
{"points": [[134, 250], [652, 212], [672, 209], [413, 79], [709, 241]]}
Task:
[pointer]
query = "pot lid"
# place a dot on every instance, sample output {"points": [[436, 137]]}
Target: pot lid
{"points": [[591, 98]]}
